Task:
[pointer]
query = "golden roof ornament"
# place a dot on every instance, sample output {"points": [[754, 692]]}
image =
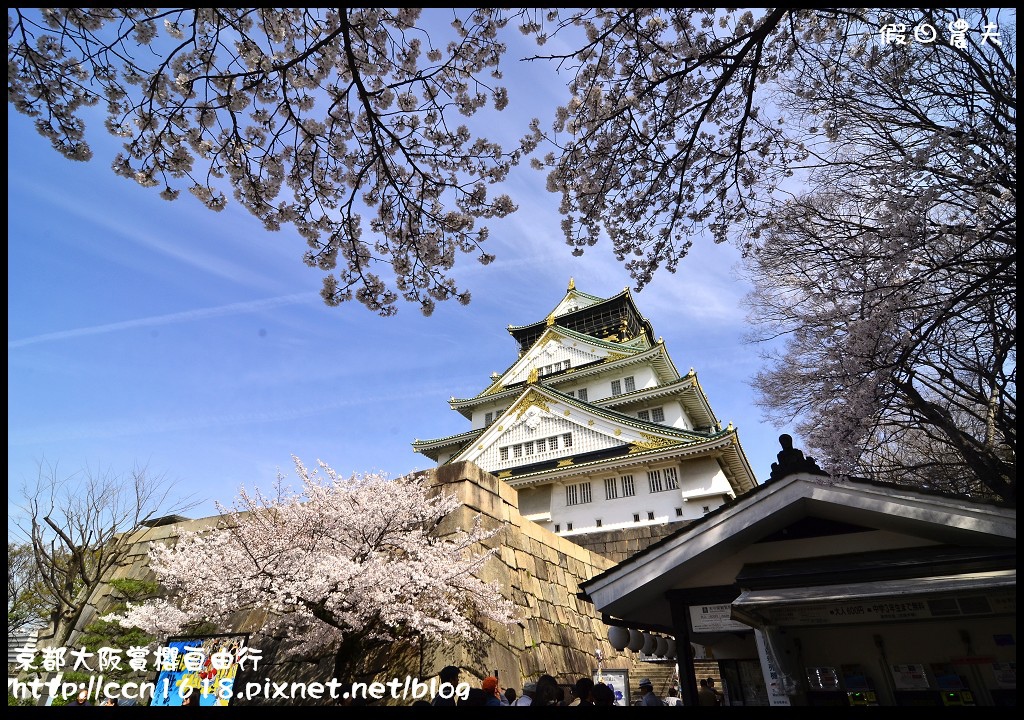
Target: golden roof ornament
{"points": [[551, 319], [572, 284], [532, 377]]}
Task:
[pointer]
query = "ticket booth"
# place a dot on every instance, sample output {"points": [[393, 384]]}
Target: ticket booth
{"points": [[848, 592]]}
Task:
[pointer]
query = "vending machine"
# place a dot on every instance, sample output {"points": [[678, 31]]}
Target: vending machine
{"points": [[824, 687], [860, 690], [953, 690], [912, 686], [944, 688]]}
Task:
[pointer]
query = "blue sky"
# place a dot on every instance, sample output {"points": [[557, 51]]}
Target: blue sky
{"points": [[156, 333]]}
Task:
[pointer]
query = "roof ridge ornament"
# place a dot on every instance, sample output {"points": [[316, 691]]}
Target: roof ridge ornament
{"points": [[551, 319], [572, 285], [792, 461]]}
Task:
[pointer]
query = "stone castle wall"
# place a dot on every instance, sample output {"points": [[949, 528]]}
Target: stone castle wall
{"points": [[617, 545], [540, 571]]}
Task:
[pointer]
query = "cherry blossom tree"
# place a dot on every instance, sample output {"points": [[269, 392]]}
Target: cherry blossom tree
{"points": [[310, 116], [341, 567], [680, 124], [892, 278], [686, 123], [672, 128]]}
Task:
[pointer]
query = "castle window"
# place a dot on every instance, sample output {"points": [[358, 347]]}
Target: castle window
{"points": [[570, 393], [658, 414], [654, 481], [671, 478], [567, 440], [553, 443], [629, 383], [679, 512], [644, 415], [529, 447], [488, 418], [611, 488], [650, 516], [568, 527], [627, 486], [707, 509], [598, 521], [616, 387], [503, 452], [582, 394], [636, 517], [558, 528], [578, 494], [517, 451]]}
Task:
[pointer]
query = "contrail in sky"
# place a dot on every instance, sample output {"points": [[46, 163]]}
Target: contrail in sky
{"points": [[188, 315]]}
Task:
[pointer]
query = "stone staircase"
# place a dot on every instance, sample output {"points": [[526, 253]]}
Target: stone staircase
{"points": [[706, 669], [663, 676]]}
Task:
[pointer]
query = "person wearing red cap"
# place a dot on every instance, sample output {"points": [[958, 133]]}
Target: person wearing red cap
{"points": [[492, 690]]}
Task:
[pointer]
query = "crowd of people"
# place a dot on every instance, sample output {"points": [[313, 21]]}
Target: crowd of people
{"points": [[546, 690]]}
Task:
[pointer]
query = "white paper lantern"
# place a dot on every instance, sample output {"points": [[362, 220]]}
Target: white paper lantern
{"points": [[650, 642], [618, 637], [636, 640], [662, 647]]}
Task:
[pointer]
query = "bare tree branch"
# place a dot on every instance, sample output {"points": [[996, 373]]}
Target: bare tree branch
{"points": [[80, 527]]}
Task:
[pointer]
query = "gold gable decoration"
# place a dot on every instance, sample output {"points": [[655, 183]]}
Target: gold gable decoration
{"points": [[532, 377], [612, 356], [530, 399], [649, 442]]}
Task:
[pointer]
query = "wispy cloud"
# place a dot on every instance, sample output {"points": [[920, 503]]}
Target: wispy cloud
{"points": [[159, 241], [162, 424], [180, 317]]}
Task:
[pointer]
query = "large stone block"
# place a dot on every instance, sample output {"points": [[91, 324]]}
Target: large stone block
{"points": [[540, 569]]}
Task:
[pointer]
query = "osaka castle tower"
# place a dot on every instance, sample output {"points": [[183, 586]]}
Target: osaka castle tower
{"points": [[595, 427]]}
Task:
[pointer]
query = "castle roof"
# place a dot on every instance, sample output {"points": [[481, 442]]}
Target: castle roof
{"points": [[617, 436], [590, 315]]}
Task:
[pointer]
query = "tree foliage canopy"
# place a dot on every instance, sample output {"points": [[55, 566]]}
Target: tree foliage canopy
{"points": [[892, 273], [310, 116], [864, 158], [27, 607], [669, 131], [339, 567]]}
